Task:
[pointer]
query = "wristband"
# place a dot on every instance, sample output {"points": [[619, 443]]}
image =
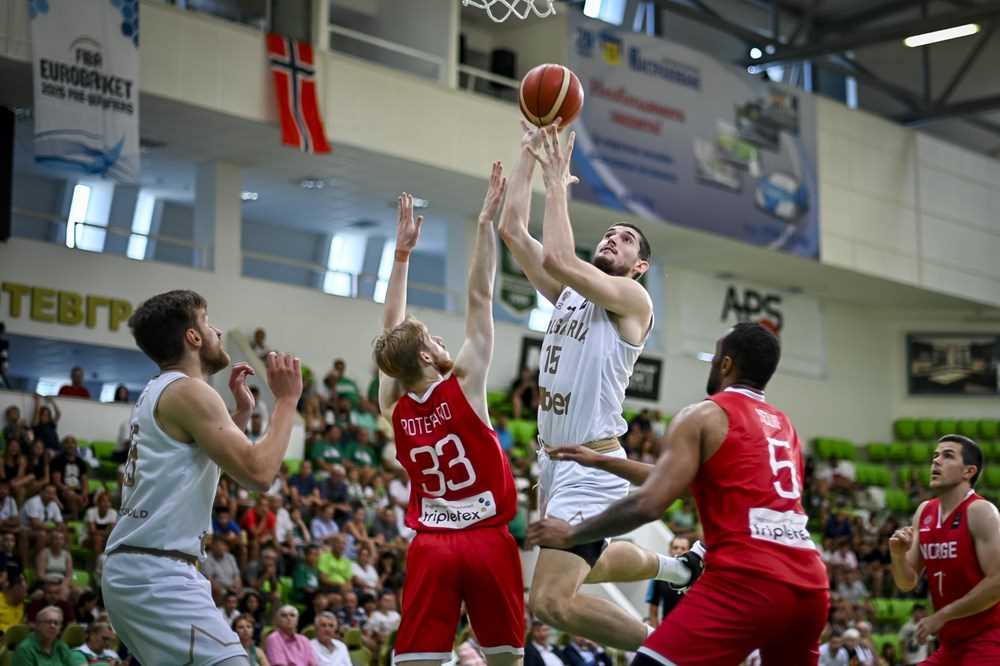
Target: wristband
{"points": [[402, 256]]}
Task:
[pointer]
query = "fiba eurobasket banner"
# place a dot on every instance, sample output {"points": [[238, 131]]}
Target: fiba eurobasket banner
{"points": [[711, 305], [670, 134], [86, 76]]}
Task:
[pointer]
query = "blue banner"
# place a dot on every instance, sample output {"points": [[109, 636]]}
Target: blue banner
{"points": [[672, 135]]}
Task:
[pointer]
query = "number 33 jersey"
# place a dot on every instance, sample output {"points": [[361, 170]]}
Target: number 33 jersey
{"points": [[749, 496], [460, 478]]}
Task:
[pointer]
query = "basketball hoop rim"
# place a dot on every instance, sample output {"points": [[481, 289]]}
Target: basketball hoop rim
{"points": [[512, 8]]}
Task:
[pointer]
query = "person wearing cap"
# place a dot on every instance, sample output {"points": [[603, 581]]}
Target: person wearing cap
{"points": [[857, 653]]}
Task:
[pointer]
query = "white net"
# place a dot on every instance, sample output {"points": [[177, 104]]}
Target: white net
{"points": [[501, 10]]}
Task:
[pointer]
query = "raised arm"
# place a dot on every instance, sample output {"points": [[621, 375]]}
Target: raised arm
{"points": [[904, 551], [618, 294], [676, 468], [984, 524], [633, 471], [514, 220], [394, 310], [473, 361], [196, 410]]}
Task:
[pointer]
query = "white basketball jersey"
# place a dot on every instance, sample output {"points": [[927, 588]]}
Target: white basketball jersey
{"points": [[584, 369], [169, 486]]}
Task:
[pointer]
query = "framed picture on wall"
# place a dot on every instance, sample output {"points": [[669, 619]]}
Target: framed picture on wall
{"points": [[953, 363]]}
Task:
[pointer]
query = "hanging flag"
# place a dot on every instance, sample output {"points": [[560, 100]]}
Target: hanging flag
{"points": [[294, 72], [86, 77]]}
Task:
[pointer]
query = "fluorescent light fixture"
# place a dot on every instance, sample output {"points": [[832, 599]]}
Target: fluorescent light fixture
{"points": [[941, 35], [705, 356], [756, 53], [249, 196], [77, 212]]}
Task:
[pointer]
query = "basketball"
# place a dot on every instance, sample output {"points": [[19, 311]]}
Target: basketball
{"points": [[549, 92]]}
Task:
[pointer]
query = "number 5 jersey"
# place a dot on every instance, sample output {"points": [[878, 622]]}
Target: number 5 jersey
{"points": [[749, 496], [460, 477]]}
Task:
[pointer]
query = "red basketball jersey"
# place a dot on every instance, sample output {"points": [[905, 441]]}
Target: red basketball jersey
{"points": [[459, 476], [952, 567], [749, 496]]}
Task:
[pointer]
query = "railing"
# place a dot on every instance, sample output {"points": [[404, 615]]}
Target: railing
{"points": [[231, 10], [437, 62], [500, 87]]}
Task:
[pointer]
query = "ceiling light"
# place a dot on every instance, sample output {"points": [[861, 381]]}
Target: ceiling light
{"points": [[756, 53], [248, 196], [312, 183], [942, 35]]}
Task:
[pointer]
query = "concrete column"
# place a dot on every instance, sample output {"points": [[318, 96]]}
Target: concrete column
{"points": [[450, 74], [217, 218]]}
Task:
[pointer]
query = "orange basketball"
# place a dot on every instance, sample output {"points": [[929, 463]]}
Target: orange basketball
{"points": [[549, 92]]}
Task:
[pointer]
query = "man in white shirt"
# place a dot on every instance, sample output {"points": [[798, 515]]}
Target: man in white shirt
{"points": [[914, 652], [283, 520], [97, 647], [323, 525], [832, 653], [385, 619], [857, 652], [329, 651], [10, 519], [538, 652], [39, 516]]}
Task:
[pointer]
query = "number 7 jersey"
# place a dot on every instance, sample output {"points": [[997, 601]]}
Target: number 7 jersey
{"points": [[460, 477], [749, 496]]}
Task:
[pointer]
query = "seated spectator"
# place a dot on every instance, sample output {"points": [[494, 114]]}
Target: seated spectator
{"points": [[335, 568], [384, 529], [121, 394], [55, 564], [503, 433], [252, 606], [306, 579], [364, 576], [244, 628], [538, 649], [10, 560], [259, 524], [360, 452], [327, 451], [100, 520], [365, 418], [10, 519], [97, 648], [832, 653], [524, 394], [11, 423], [43, 646], [38, 467], [312, 414], [328, 650], [296, 536], [323, 524], [227, 529], [914, 651], [285, 646], [305, 484], [389, 576], [86, 610], [385, 619], [343, 386], [40, 516], [75, 388], [221, 569], [255, 429], [69, 476], [857, 653], [230, 607], [351, 615], [15, 470], [259, 344], [268, 579], [45, 423], [51, 596], [838, 525], [852, 587], [582, 652], [12, 601]]}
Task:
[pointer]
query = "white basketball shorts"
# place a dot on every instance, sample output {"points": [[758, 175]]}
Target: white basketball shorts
{"points": [[571, 492], [162, 609]]}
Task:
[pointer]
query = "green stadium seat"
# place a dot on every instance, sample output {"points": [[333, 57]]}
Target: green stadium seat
{"points": [[899, 451], [878, 451], [989, 429], [897, 500], [81, 578], [904, 429], [103, 450], [825, 447], [310, 631], [352, 638], [285, 585], [863, 473], [293, 465], [991, 476], [883, 476], [74, 636], [629, 415], [903, 473], [76, 530], [903, 609], [883, 609], [968, 428], [93, 485], [926, 429], [523, 431], [881, 640], [361, 657], [946, 427], [920, 453], [846, 449]]}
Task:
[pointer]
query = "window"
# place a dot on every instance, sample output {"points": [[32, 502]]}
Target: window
{"points": [[142, 222], [384, 270], [49, 385], [347, 253], [612, 11], [77, 213], [88, 216], [539, 318]]}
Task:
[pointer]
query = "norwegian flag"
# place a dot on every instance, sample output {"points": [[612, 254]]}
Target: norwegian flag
{"points": [[294, 72]]}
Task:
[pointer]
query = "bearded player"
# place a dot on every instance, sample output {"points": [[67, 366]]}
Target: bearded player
{"points": [[601, 320], [462, 493], [765, 586], [957, 545]]}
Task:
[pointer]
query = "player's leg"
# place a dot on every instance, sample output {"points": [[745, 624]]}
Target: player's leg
{"points": [[432, 601], [493, 590], [162, 610], [798, 617], [556, 600]]}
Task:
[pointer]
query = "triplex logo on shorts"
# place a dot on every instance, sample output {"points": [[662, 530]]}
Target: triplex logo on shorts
{"points": [[457, 514], [787, 528]]}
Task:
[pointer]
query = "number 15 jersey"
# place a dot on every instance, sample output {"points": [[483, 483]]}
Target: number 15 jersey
{"points": [[460, 477], [749, 496]]}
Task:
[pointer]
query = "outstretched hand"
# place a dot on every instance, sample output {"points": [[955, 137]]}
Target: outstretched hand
{"points": [[578, 454], [550, 532], [407, 229], [553, 160], [494, 195]]}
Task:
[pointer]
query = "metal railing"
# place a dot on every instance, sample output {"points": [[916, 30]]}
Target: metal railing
{"points": [[436, 61]]}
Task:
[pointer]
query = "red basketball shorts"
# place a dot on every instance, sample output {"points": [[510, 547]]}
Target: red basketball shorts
{"points": [[480, 567], [725, 616], [982, 648]]}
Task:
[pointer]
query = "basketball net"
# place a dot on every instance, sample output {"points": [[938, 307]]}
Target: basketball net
{"points": [[519, 8]]}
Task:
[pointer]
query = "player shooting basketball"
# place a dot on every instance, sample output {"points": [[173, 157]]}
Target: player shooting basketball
{"points": [[600, 323]]}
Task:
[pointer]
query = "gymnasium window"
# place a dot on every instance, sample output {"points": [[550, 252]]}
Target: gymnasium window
{"points": [[347, 253], [539, 318], [384, 270], [611, 11], [50, 385], [142, 221], [88, 216]]}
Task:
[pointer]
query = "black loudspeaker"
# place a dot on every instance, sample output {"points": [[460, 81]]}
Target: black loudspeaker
{"points": [[6, 170], [503, 62]]}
